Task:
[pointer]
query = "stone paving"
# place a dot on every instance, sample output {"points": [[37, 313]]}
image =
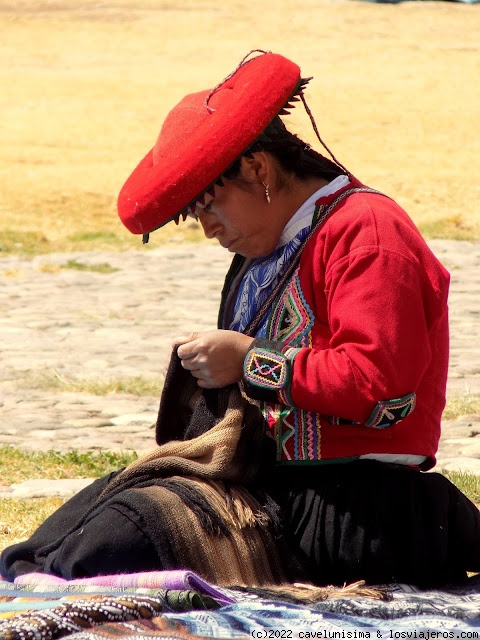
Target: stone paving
{"points": [[70, 324]]}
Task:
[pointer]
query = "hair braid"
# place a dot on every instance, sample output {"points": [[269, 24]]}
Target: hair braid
{"points": [[293, 155]]}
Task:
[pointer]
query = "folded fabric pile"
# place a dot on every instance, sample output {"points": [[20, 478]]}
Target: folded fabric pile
{"points": [[137, 606], [145, 582], [47, 607]]}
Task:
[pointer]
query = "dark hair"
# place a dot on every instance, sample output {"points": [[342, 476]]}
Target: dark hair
{"points": [[293, 155]]}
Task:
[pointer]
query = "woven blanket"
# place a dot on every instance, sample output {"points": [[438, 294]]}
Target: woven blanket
{"points": [[144, 630], [410, 613], [59, 612]]}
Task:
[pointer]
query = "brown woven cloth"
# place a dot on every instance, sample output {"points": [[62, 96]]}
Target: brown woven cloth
{"points": [[199, 489]]}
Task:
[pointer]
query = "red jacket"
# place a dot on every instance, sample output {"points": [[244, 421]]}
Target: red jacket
{"points": [[358, 336]]}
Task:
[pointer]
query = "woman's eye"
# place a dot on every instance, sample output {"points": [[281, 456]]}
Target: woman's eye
{"points": [[204, 207]]}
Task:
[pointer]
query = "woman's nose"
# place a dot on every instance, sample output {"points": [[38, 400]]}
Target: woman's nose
{"points": [[210, 226]]}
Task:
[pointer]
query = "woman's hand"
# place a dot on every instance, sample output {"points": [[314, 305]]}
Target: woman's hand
{"points": [[215, 358]]}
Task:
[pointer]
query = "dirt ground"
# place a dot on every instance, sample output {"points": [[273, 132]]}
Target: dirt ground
{"points": [[85, 86]]}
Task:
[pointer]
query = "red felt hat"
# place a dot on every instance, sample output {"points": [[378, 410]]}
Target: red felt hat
{"points": [[202, 136]]}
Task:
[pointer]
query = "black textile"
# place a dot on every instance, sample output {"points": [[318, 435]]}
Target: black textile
{"points": [[114, 541], [383, 523], [362, 520]]}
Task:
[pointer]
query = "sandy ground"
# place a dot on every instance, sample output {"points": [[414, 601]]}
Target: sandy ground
{"points": [[86, 85]]}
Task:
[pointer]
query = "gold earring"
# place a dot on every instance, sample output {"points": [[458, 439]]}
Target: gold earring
{"points": [[267, 192]]}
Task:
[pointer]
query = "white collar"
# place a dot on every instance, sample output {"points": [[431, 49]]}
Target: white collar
{"points": [[304, 215]]}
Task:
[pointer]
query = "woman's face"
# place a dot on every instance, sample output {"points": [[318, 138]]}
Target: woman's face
{"points": [[240, 218]]}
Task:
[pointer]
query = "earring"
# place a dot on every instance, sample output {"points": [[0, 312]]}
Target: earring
{"points": [[267, 193]]}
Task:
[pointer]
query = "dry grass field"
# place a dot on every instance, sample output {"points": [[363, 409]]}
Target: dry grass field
{"points": [[85, 85]]}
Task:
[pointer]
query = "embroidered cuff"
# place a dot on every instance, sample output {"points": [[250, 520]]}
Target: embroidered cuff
{"points": [[267, 371], [385, 414], [391, 412]]}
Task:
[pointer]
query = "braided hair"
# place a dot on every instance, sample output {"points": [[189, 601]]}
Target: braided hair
{"points": [[293, 155]]}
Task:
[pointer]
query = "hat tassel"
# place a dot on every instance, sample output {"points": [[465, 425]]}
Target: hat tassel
{"points": [[317, 133]]}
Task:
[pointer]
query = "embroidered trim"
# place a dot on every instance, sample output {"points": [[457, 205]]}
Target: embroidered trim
{"points": [[389, 412], [266, 369], [292, 318], [297, 433], [284, 394], [385, 414]]}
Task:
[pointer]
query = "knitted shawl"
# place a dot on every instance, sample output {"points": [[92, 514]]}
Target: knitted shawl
{"points": [[198, 495], [198, 491]]}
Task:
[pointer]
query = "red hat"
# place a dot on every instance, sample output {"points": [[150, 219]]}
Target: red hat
{"points": [[201, 138]]}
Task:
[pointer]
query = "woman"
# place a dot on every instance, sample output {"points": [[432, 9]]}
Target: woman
{"points": [[333, 320], [349, 358]]}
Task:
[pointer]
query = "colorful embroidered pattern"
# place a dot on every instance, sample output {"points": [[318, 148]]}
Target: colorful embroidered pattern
{"points": [[389, 412], [266, 369], [292, 318], [297, 433], [260, 280], [284, 394], [385, 414]]}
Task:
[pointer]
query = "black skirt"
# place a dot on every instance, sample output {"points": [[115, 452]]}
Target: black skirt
{"points": [[383, 523]]}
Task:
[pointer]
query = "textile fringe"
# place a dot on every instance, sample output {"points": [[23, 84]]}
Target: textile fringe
{"points": [[219, 506], [309, 594], [234, 504], [246, 556]]}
